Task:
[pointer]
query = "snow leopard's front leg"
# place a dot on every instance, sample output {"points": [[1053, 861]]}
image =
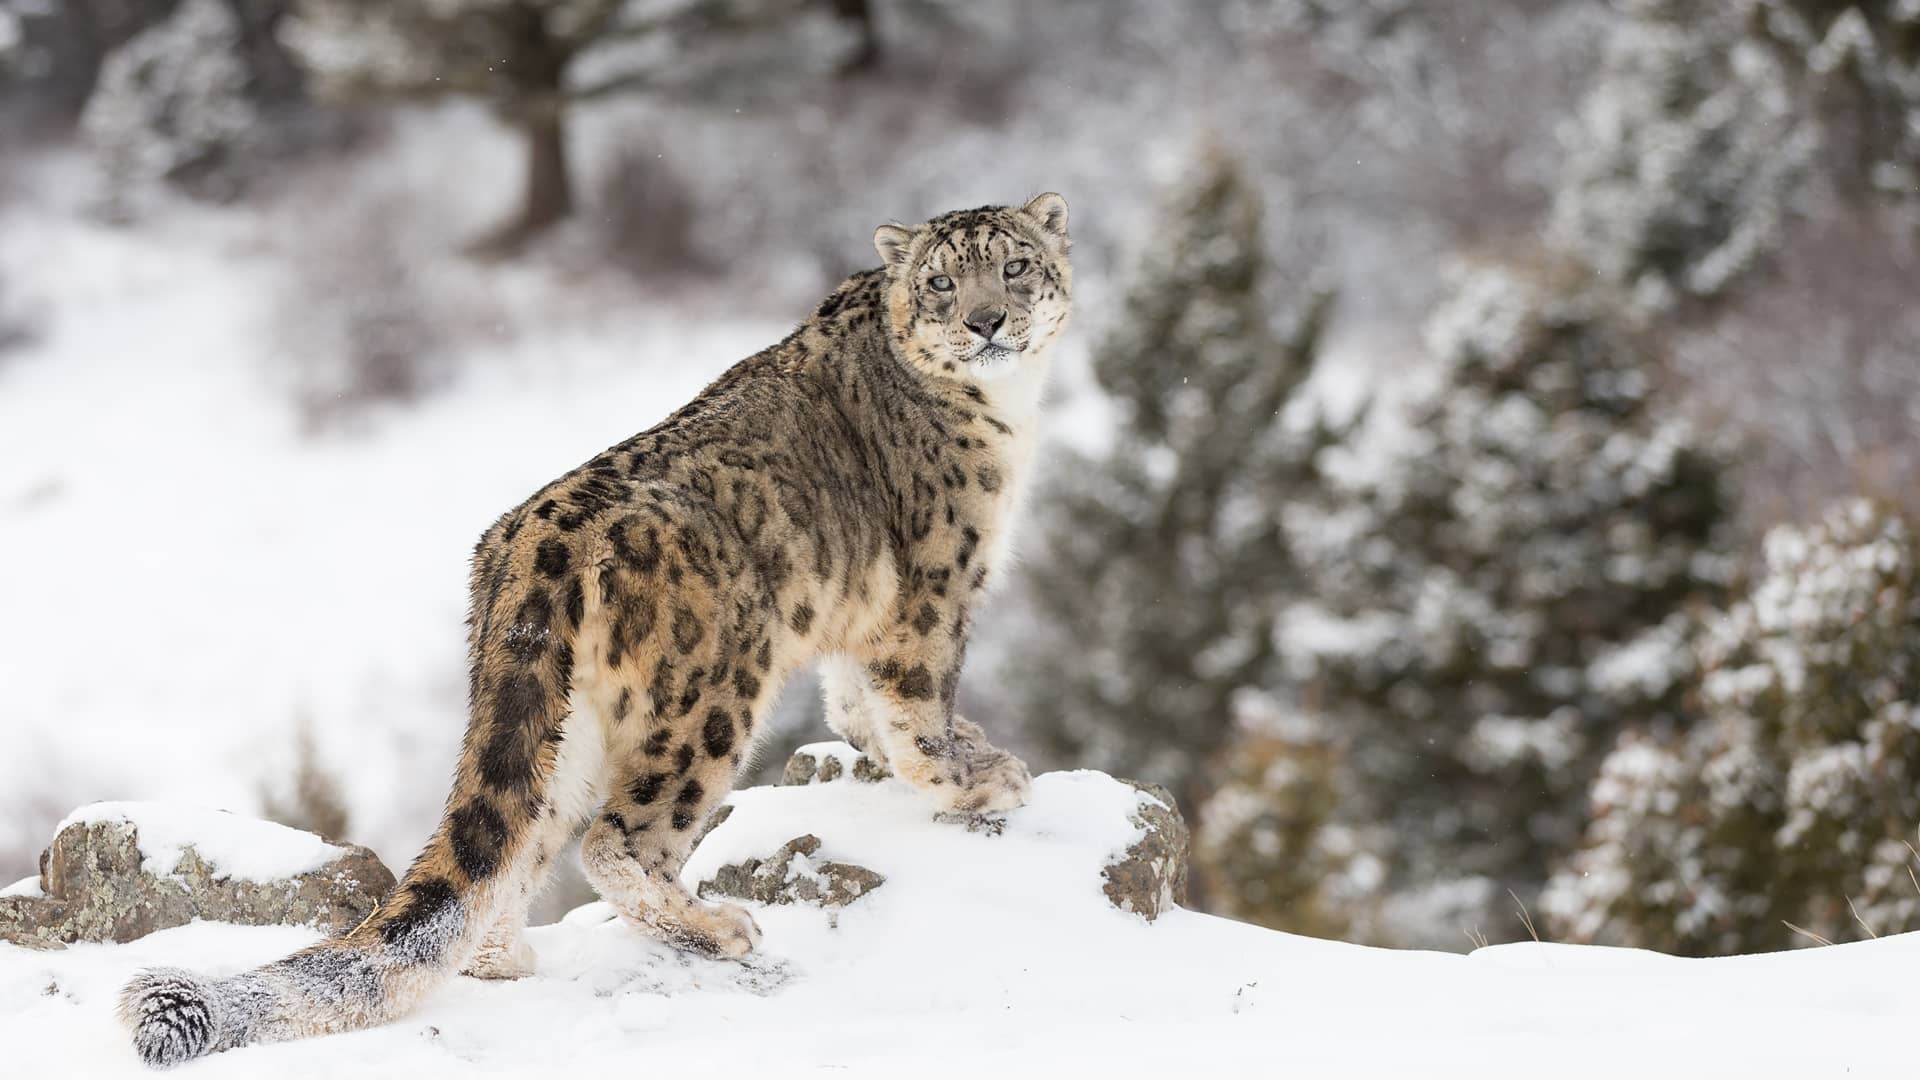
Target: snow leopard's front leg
{"points": [[858, 712], [855, 711], [912, 678]]}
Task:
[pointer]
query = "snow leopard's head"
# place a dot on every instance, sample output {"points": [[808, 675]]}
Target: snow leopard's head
{"points": [[975, 293]]}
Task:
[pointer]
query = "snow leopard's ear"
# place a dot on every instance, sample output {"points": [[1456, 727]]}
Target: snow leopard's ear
{"points": [[1049, 211], [893, 242]]}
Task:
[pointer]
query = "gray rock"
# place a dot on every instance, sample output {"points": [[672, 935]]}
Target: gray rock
{"points": [[1147, 879], [776, 880], [94, 889], [806, 768], [1150, 877], [714, 820]]}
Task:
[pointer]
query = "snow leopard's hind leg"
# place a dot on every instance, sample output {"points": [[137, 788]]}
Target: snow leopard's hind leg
{"points": [[503, 952], [657, 802], [687, 670]]}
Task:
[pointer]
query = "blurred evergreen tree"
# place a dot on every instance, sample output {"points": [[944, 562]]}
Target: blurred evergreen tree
{"points": [[1268, 845], [1496, 596], [52, 53], [1684, 157], [172, 104], [1162, 561], [1794, 800], [1858, 63]]}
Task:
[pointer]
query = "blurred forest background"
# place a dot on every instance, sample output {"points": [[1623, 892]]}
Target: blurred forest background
{"points": [[1486, 455]]}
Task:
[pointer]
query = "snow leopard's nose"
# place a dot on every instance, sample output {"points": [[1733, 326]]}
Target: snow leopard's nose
{"points": [[986, 321]]}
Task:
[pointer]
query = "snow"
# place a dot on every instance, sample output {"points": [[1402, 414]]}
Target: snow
{"points": [[29, 886], [234, 846], [997, 955], [1646, 666]]}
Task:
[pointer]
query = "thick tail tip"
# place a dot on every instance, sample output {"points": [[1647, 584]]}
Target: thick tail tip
{"points": [[171, 1015]]}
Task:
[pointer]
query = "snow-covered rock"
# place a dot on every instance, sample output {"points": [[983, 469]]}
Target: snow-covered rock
{"points": [[825, 762], [1150, 876], [793, 874], [818, 839], [120, 871]]}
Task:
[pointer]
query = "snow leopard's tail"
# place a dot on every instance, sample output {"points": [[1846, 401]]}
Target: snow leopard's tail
{"points": [[370, 975], [474, 870]]}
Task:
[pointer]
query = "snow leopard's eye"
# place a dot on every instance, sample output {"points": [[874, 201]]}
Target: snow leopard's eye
{"points": [[1015, 268], [941, 283]]}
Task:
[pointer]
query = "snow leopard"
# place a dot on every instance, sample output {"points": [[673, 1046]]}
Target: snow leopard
{"points": [[843, 498]]}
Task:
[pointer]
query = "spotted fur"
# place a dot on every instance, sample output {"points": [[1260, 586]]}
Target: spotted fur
{"points": [[842, 497]]}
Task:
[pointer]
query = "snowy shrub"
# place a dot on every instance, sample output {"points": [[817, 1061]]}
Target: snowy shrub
{"points": [[1266, 847], [366, 328], [15, 329], [645, 215], [1685, 155], [1161, 564], [311, 798], [171, 105], [1793, 800], [16, 326], [1495, 600]]}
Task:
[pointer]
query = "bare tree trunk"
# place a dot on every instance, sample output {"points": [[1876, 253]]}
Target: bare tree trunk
{"points": [[537, 70], [868, 54], [549, 193]]}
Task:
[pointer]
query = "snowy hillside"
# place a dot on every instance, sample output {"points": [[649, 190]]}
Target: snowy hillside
{"points": [[998, 955]]}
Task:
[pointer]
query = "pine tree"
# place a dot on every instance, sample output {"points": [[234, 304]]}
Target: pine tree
{"points": [[1685, 157], [1793, 802], [1162, 560], [172, 105], [1858, 63], [535, 60], [1493, 598]]}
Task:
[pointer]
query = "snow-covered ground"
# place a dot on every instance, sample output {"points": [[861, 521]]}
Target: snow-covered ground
{"points": [[998, 955]]}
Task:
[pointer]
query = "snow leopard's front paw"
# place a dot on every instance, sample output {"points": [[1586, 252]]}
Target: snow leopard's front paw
{"points": [[722, 931], [994, 781]]}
